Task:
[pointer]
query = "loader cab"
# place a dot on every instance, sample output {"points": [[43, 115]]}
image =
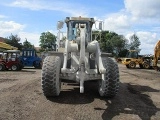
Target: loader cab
{"points": [[11, 55], [132, 54], [75, 23]]}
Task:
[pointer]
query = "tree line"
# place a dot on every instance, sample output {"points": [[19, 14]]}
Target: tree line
{"points": [[116, 44], [110, 42], [14, 40]]}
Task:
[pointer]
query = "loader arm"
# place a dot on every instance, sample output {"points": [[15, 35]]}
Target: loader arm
{"points": [[156, 53]]}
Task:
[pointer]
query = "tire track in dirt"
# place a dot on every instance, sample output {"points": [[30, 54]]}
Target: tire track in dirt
{"points": [[25, 101], [16, 100]]}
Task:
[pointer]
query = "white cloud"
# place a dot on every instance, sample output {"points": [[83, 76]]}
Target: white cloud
{"points": [[135, 18], [8, 27], [147, 39], [143, 8], [144, 13], [117, 22], [33, 38], [147, 48], [55, 5]]}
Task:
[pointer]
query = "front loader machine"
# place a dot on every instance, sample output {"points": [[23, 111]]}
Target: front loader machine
{"points": [[133, 59], [80, 60]]}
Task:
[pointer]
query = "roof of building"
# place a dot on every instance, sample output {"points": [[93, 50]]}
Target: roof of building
{"points": [[2, 39]]}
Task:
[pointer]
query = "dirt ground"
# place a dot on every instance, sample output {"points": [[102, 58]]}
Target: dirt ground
{"points": [[21, 98]]}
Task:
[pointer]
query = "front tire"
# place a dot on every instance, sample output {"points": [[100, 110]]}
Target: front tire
{"points": [[132, 65], [109, 85], [2, 67], [15, 67], [146, 65], [51, 84]]}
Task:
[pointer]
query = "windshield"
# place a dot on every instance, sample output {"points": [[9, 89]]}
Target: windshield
{"points": [[132, 54], [74, 31], [29, 53]]}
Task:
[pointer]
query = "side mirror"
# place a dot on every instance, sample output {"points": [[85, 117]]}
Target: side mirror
{"points": [[60, 25], [100, 25]]}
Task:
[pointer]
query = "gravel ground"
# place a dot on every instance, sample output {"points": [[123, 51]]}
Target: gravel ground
{"points": [[21, 98]]}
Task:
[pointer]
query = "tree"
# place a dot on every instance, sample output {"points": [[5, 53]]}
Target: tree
{"points": [[119, 44], [105, 43], [14, 40], [113, 43], [123, 53], [134, 42], [104, 40], [27, 44], [47, 41]]}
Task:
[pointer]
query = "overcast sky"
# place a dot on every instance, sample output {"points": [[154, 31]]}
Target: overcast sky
{"points": [[29, 18]]}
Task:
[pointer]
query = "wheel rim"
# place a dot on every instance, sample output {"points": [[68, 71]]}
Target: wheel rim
{"points": [[132, 65], [146, 66], [14, 67]]}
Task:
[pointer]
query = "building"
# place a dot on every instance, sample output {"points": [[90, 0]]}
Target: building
{"points": [[2, 39]]}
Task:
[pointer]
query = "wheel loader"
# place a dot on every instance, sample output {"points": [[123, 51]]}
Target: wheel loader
{"points": [[133, 58], [79, 58]]}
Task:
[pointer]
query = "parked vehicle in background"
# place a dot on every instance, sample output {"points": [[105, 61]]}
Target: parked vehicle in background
{"points": [[29, 58], [133, 58], [9, 60]]}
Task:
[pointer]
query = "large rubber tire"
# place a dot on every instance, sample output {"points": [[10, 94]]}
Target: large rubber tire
{"points": [[110, 85], [146, 65], [132, 65], [15, 67], [51, 84], [2, 67]]}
